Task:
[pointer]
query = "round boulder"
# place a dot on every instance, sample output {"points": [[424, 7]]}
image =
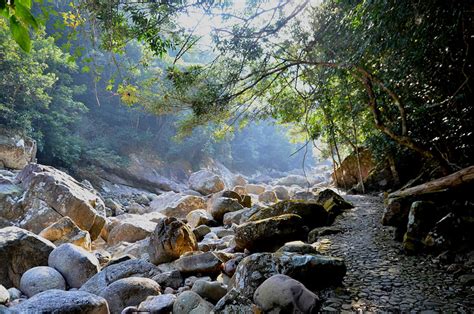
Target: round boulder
{"points": [[222, 205], [283, 294], [74, 263], [190, 302], [41, 278], [206, 182], [170, 240], [210, 290], [268, 197], [129, 292], [198, 217]]}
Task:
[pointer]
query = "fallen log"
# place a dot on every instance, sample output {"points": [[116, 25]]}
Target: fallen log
{"points": [[452, 181]]}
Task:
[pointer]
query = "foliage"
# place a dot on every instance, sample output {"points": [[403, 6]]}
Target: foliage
{"points": [[38, 96], [18, 13]]}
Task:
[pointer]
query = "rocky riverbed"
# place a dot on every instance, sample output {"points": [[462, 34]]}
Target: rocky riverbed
{"points": [[222, 246]]}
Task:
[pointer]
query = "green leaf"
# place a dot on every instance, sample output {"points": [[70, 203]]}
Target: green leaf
{"points": [[26, 3], [85, 69], [20, 34], [24, 15]]}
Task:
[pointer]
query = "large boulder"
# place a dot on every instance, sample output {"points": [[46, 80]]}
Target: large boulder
{"points": [[74, 263], [268, 197], [235, 303], [131, 229], [282, 193], [16, 151], [52, 194], [212, 291], [66, 231], [21, 250], [128, 268], [313, 214], [4, 295], [10, 196], [270, 233], [254, 189], [177, 204], [314, 271], [281, 293], [58, 301], [348, 175], [332, 202], [421, 218], [206, 182], [222, 205], [199, 263], [160, 304], [129, 292], [41, 278], [190, 302], [199, 217], [170, 239]]}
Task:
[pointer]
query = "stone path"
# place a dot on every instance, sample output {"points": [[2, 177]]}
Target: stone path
{"points": [[379, 278]]}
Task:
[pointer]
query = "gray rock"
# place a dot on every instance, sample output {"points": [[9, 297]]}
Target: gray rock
{"points": [[314, 271], [206, 182], [298, 247], [234, 303], [160, 304], [201, 231], [212, 291], [128, 268], [129, 292], [222, 205], [74, 263], [41, 278], [322, 231], [58, 301], [20, 250], [172, 279], [177, 204], [269, 234], [281, 293], [190, 302], [198, 217], [131, 229], [16, 150], [281, 193], [199, 263], [170, 240], [14, 294], [268, 197]]}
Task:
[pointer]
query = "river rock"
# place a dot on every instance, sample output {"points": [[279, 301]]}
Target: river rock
{"points": [[4, 295], [170, 240], [41, 278], [172, 279], [129, 292], [281, 193], [298, 247], [281, 293], [254, 189], [199, 263], [131, 229], [190, 302], [57, 194], [314, 271], [66, 231], [422, 216], [268, 197], [201, 231], [21, 250], [58, 301], [206, 182], [332, 202], [240, 189], [322, 231], [16, 150], [222, 205], [293, 179], [128, 268], [212, 291], [234, 303], [198, 217], [313, 214], [177, 204], [269, 234], [74, 263], [160, 304]]}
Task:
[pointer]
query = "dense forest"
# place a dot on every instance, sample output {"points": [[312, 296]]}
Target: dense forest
{"points": [[225, 156]]}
